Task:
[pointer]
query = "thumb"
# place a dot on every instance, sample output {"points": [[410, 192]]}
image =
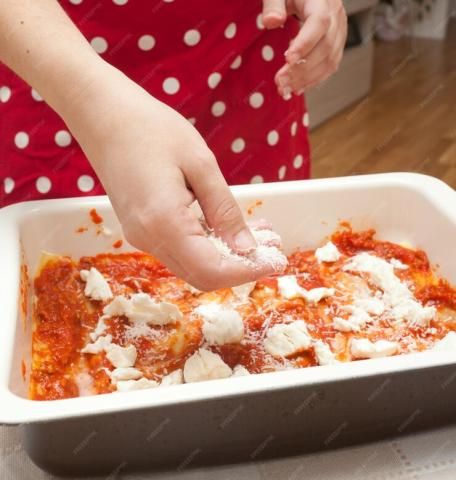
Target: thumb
{"points": [[221, 211], [274, 13]]}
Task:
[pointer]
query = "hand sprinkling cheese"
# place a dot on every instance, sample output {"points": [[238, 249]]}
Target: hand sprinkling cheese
{"points": [[327, 253], [121, 356], [205, 365], [142, 308], [287, 339], [364, 348], [97, 288], [221, 325], [289, 288]]}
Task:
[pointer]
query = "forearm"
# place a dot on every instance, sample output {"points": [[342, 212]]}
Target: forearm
{"points": [[40, 43]]}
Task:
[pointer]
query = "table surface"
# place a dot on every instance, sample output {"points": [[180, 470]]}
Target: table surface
{"points": [[423, 456]]}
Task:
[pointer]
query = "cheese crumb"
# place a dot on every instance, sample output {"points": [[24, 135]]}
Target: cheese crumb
{"points": [[100, 344], [240, 371], [324, 354], [446, 344], [289, 288], [174, 378], [327, 253], [400, 300], [398, 264], [242, 292], [364, 348], [142, 308], [121, 356], [125, 373], [205, 365], [97, 288], [130, 385], [221, 325], [287, 339]]}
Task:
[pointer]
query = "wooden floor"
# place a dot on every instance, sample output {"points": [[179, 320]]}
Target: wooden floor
{"points": [[407, 123]]}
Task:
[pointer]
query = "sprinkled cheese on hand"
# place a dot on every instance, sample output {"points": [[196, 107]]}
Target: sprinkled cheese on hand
{"points": [[221, 325], [205, 365], [121, 356], [327, 253], [284, 340], [364, 348], [96, 288], [289, 288]]}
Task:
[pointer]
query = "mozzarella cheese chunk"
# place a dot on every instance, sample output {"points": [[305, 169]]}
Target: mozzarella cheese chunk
{"points": [[398, 264], [99, 329], [327, 253], [100, 344], [121, 356], [446, 344], [396, 295], [240, 371], [125, 373], [174, 378], [130, 385], [205, 365], [287, 339], [142, 308], [96, 288], [242, 292], [364, 348], [289, 288], [221, 325], [324, 354]]}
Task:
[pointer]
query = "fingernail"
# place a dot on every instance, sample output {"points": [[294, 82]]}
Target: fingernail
{"points": [[286, 93], [244, 240], [293, 58]]}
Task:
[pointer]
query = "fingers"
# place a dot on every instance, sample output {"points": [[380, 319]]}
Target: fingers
{"points": [[221, 211], [274, 13]]}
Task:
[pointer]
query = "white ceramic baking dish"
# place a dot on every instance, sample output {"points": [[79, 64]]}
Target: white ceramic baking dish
{"points": [[245, 417]]}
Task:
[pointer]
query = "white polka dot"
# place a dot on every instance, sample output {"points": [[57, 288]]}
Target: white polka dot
{"points": [[298, 161], [21, 140], [43, 184], [230, 30], [257, 179], [62, 138], [36, 96], [267, 53], [282, 172], [192, 37], [238, 145], [256, 100], [294, 128], [214, 79], [273, 137], [85, 183], [171, 85], [146, 42], [192, 120], [8, 184], [120, 2], [5, 94], [99, 44], [259, 21], [236, 62], [305, 120], [76, 2], [218, 109], [168, 1]]}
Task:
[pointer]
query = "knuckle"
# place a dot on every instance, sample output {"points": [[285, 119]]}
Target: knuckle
{"points": [[205, 159], [324, 20], [226, 213]]}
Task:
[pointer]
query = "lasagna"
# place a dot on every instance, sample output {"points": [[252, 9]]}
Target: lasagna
{"points": [[121, 322]]}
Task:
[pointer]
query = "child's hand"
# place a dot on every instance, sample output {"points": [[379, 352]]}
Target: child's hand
{"points": [[153, 164], [315, 53]]}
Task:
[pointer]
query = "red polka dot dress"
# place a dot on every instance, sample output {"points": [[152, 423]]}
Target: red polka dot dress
{"points": [[214, 62]]}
